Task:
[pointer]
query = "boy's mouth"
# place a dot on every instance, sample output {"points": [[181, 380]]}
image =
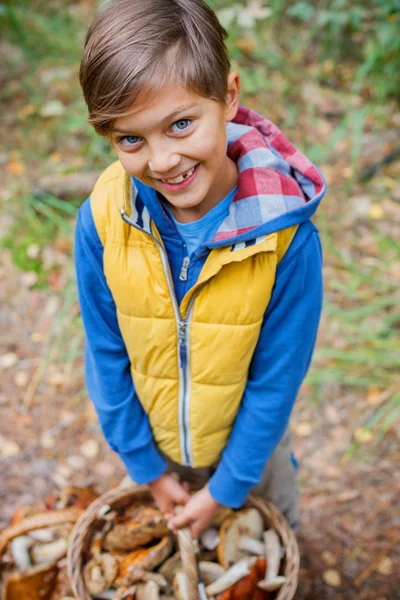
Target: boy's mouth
{"points": [[180, 182]]}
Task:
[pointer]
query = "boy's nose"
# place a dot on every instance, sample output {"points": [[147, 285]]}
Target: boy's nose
{"points": [[162, 162]]}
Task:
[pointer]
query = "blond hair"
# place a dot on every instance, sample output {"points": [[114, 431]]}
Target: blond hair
{"points": [[134, 46]]}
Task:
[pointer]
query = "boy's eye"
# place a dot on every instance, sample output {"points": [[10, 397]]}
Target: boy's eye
{"points": [[130, 139], [181, 125]]}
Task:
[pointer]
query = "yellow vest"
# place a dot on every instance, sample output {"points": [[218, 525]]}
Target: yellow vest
{"points": [[189, 362]]}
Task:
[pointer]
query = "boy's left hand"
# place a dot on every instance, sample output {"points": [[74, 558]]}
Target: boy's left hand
{"points": [[196, 514]]}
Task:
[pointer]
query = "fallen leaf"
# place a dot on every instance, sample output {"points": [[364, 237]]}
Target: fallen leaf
{"points": [[332, 577], [348, 495], [376, 212], [54, 108], [26, 111], [362, 435], [76, 462], [90, 448], [9, 448], [47, 440], [37, 338], [8, 360], [303, 430], [385, 566], [15, 167], [33, 251], [21, 378], [29, 279], [329, 558]]}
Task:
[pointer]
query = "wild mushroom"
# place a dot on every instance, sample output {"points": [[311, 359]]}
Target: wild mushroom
{"points": [[247, 522], [147, 524], [180, 586], [52, 552], [145, 558], [100, 573], [231, 576], [170, 567], [210, 572], [139, 575], [252, 546], [20, 552], [37, 583], [148, 591], [210, 539], [272, 580]]}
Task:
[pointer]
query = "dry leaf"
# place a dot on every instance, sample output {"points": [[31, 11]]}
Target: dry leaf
{"points": [[33, 251], [8, 448], [29, 279], [362, 435], [90, 448], [348, 495], [47, 440], [303, 430], [332, 577], [21, 378], [385, 566], [54, 108], [15, 167], [8, 360], [329, 558], [376, 212], [76, 462]]}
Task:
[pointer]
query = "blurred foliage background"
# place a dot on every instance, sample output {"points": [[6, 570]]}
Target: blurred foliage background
{"points": [[328, 74]]}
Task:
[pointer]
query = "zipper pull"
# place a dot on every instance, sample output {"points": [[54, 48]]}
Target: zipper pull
{"points": [[184, 269]]}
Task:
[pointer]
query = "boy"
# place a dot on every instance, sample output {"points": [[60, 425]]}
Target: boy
{"points": [[199, 271]]}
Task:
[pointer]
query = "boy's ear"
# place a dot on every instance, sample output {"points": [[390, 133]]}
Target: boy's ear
{"points": [[232, 96]]}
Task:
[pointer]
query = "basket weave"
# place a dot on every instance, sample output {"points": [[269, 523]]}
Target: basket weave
{"points": [[120, 498]]}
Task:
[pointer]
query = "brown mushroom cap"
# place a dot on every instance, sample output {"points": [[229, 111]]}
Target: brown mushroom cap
{"points": [[36, 584], [145, 558], [146, 524], [246, 522]]}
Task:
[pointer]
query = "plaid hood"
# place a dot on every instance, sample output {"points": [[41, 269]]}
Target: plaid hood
{"points": [[278, 186]]}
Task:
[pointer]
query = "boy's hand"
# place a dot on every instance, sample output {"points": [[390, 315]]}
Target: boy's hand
{"points": [[167, 492], [197, 513]]}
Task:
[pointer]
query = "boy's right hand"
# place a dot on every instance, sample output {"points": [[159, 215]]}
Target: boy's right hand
{"points": [[167, 493]]}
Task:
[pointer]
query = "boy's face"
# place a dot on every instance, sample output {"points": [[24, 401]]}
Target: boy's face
{"points": [[176, 144]]}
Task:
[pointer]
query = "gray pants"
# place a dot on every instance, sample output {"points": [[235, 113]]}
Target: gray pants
{"points": [[278, 483]]}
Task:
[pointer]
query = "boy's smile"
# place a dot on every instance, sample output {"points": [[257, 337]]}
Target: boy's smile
{"points": [[176, 144]]}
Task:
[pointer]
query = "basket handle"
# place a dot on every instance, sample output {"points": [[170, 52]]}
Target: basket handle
{"points": [[189, 562]]}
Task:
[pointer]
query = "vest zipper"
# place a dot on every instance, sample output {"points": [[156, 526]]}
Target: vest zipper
{"points": [[183, 342], [184, 269]]}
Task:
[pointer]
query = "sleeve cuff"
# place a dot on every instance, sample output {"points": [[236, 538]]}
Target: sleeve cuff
{"points": [[144, 464], [227, 490]]}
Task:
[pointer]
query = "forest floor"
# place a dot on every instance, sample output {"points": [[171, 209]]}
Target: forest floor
{"points": [[345, 422]]}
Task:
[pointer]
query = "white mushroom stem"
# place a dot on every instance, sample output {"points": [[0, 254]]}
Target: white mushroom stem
{"points": [[105, 595], [273, 555], [252, 546], [147, 591], [20, 552], [231, 576], [42, 553]]}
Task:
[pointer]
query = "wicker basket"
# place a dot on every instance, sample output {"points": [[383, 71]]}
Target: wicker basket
{"points": [[119, 498]]}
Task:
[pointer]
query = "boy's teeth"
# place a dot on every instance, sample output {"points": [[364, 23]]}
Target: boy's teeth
{"points": [[180, 178]]}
